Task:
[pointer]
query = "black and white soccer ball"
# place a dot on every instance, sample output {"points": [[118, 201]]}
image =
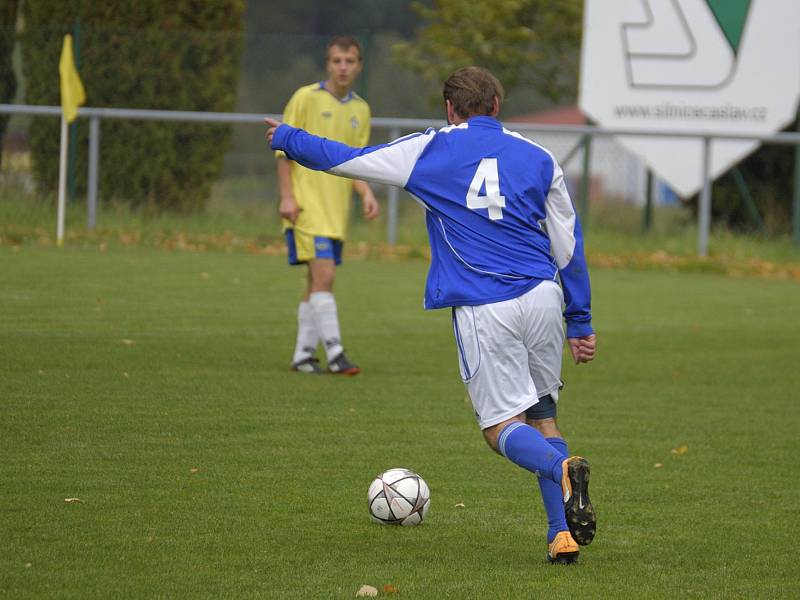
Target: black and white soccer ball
{"points": [[398, 497]]}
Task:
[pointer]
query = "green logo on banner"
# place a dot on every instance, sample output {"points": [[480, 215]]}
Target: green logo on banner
{"points": [[731, 16]]}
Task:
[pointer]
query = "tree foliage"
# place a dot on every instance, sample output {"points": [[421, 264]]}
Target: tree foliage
{"points": [[181, 55], [343, 17], [8, 82], [523, 42]]}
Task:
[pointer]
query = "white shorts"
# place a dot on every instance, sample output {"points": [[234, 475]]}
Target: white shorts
{"points": [[509, 352]]}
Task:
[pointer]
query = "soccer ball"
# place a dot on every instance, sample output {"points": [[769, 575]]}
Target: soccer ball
{"points": [[398, 497]]}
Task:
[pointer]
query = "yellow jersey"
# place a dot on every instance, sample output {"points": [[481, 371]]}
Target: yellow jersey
{"points": [[324, 198]]}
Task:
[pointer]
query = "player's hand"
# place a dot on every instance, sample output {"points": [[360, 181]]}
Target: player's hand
{"points": [[369, 205], [583, 348], [272, 125], [289, 209]]}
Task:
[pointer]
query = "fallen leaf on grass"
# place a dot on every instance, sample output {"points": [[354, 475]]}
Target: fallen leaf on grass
{"points": [[388, 588], [129, 239], [680, 450], [72, 500], [459, 505], [658, 465], [366, 591], [193, 470]]}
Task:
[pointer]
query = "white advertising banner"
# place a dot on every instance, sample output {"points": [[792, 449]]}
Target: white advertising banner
{"points": [[693, 66]]}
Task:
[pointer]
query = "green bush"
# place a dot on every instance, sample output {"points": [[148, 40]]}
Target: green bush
{"points": [[179, 55], [768, 175]]}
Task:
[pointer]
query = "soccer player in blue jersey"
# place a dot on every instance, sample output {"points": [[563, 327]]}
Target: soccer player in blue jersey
{"points": [[507, 257]]}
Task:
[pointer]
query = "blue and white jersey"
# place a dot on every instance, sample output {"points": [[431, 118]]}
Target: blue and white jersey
{"points": [[499, 217]]}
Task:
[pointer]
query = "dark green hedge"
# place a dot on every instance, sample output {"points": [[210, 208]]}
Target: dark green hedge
{"points": [[178, 55], [8, 82], [768, 174]]}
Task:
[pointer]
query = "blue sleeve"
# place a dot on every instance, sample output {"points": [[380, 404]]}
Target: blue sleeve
{"points": [[390, 163], [312, 151], [566, 244], [577, 290]]}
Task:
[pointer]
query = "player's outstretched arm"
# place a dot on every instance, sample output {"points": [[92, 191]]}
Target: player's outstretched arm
{"points": [[390, 163]]}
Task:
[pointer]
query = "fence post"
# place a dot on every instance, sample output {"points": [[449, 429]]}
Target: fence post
{"points": [[587, 173], [94, 169], [704, 210], [647, 217], [393, 197]]}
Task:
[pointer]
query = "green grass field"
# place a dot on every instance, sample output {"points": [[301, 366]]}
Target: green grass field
{"points": [[151, 388]]}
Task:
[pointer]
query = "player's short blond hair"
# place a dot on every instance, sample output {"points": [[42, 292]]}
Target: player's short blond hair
{"points": [[344, 42], [472, 90]]}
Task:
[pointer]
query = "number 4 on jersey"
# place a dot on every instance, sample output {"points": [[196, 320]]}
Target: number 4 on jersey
{"points": [[486, 177]]}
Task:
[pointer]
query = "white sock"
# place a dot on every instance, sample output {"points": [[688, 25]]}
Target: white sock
{"points": [[323, 305], [307, 335]]}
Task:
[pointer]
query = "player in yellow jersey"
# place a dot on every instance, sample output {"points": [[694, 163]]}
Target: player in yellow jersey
{"points": [[315, 205]]}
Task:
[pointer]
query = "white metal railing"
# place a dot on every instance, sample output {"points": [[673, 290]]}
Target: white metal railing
{"points": [[395, 128]]}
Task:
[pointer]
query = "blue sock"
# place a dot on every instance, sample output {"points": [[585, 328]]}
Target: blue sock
{"points": [[553, 497], [525, 446]]}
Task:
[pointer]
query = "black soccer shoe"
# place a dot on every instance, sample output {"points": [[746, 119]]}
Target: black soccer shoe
{"points": [[578, 509], [342, 366]]}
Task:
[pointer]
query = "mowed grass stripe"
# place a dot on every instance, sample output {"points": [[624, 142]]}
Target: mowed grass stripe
{"points": [[153, 386]]}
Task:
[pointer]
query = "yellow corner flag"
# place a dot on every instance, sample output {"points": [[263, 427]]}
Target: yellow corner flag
{"points": [[72, 94]]}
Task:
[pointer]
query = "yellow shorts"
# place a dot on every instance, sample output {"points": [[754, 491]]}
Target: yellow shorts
{"points": [[304, 247]]}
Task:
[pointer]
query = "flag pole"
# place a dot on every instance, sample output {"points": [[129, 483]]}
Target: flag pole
{"points": [[62, 183], [72, 96]]}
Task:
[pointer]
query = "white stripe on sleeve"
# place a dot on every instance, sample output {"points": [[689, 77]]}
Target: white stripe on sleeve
{"points": [[560, 219], [391, 164]]}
